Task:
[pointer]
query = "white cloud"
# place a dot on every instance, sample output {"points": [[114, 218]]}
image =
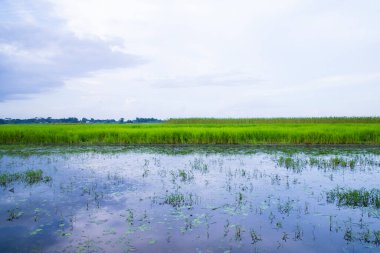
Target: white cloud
{"points": [[37, 55], [213, 58], [30, 56]]}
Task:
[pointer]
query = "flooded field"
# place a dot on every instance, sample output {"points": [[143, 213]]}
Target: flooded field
{"points": [[190, 199]]}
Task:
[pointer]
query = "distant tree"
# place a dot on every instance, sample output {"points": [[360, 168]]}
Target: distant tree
{"points": [[146, 120], [72, 120]]}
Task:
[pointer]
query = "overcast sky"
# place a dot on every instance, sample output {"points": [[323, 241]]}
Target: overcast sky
{"points": [[189, 58]]}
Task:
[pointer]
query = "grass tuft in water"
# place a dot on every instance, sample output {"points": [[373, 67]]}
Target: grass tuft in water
{"points": [[255, 238], [298, 163], [175, 199], [29, 177], [377, 237], [354, 198], [185, 176], [291, 163], [179, 200], [14, 214], [199, 165]]}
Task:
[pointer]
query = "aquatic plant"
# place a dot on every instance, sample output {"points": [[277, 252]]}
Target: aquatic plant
{"points": [[284, 236], [285, 207], [14, 214], [354, 198], [298, 233], [297, 163], [377, 237], [185, 176], [178, 199], [130, 218], [348, 234], [291, 163], [29, 177], [199, 165], [175, 199], [238, 232], [255, 238]]}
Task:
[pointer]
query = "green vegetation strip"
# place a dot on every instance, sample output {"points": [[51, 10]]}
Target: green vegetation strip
{"points": [[355, 198], [323, 163], [313, 120], [28, 177], [275, 133]]}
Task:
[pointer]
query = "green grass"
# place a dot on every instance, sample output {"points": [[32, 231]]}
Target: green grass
{"points": [[355, 198], [297, 163], [313, 120], [179, 199], [29, 177], [166, 133]]}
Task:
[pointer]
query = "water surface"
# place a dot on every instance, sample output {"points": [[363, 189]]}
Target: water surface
{"points": [[189, 199]]}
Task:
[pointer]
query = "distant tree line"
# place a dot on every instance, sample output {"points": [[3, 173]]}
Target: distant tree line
{"points": [[74, 120]]}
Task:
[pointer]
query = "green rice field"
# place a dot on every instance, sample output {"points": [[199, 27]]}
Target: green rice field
{"points": [[315, 120], [202, 131]]}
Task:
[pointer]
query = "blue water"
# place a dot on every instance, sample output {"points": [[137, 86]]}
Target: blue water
{"points": [[112, 199]]}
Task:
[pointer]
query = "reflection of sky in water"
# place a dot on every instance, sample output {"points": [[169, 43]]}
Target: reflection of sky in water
{"points": [[208, 202]]}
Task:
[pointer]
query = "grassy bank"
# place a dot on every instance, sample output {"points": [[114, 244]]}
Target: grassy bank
{"points": [[312, 120], [300, 133]]}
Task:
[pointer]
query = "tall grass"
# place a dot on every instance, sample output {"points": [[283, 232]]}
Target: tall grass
{"points": [[314, 120], [191, 134]]}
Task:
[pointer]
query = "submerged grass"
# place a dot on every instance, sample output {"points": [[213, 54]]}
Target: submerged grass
{"points": [[265, 133], [354, 197], [298, 163], [179, 200], [28, 177]]}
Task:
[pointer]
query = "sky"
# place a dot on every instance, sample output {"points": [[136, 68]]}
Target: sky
{"points": [[189, 58]]}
